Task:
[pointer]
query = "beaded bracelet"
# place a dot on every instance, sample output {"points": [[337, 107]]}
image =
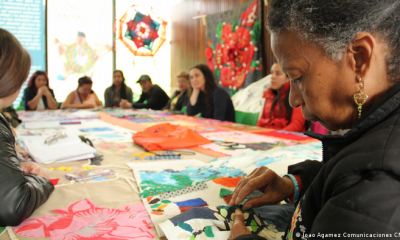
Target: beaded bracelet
{"points": [[296, 188]]}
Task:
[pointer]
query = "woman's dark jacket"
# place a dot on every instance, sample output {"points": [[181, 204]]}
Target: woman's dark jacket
{"points": [[221, 106], [182, 101], [355, 191], [29, 94], [109, 96], [20, 193], [14, 121]]}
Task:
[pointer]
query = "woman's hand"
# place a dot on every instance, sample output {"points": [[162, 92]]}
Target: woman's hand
{"points": [[194, 96], [44, 91], [33, 168], [274, 187], [87, 105], [125, 104], [238, 227]]}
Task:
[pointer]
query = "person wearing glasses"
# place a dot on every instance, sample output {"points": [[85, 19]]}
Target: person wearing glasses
{"points": [[38, 95], [24, 185], [83, 96]]}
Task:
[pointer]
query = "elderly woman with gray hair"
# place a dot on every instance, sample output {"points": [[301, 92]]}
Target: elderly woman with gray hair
{"points": [[343, 61]]}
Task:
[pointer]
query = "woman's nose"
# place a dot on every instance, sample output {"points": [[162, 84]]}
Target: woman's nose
{"points": [[295, 97]]}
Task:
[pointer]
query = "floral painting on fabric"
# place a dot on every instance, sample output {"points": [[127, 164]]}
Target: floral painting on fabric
{"points": [[86, 220], [234, 48]]}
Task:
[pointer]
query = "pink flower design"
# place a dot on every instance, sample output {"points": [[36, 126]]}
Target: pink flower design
{"points": [[84, 220]]}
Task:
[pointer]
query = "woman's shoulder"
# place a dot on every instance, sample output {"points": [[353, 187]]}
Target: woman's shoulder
{"points": [[128, 89], [28, 90], [73, 93], [5, 132], [220, 92]]}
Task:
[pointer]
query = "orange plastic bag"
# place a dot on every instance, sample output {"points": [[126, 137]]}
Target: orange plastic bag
{"points": [[168, 136]]}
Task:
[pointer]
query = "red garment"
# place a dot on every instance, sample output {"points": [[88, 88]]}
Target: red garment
{"points": [[278, 118]]}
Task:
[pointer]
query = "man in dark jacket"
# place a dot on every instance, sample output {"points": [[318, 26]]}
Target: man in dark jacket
{"points": [[152, 96]]}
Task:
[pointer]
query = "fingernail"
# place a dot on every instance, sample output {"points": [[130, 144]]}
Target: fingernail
{"points": [[231, 202]]}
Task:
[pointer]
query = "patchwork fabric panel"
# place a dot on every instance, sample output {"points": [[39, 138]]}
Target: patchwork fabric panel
{"points": [[208, 222]]}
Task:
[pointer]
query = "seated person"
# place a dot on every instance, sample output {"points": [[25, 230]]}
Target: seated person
{"points": [[180, 98], [83, 96], [277, 113], [344, 73], [152, 96], [118, 91], [207, 98], [38, 95], [11, 116], [24, 186]]}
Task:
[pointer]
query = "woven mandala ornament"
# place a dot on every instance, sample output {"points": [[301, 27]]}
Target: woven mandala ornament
{"points": [[141, 30]]}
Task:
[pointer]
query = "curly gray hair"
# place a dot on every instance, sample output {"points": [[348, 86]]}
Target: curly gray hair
{"points": [[333, 24]]}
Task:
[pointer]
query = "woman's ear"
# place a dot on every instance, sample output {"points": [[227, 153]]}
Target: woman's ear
{"points": [[360, 53]]}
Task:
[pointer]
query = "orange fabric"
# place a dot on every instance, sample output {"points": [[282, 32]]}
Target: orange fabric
{"points": [[227, 181], [167, 136], [157, 213]]}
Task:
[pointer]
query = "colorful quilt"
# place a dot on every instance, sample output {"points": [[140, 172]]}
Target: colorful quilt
{"points": [[234, 49], [55, 115], [233, 143], [172, 189]]}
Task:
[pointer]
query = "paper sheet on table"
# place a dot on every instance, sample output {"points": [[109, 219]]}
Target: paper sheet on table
{"points": [[40, 125], [63, 149]]}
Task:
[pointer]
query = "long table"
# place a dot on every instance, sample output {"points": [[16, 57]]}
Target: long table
{"points": [[118, 190]]}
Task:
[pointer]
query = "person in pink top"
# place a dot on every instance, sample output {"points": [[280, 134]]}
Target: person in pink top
{"points": [[83, 96]]}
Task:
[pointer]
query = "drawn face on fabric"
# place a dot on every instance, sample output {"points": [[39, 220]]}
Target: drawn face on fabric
{"points": [[117, 79], [278, 78], [146, 85], [322, 87], [40, 81], [197, 79], [183, 84]]}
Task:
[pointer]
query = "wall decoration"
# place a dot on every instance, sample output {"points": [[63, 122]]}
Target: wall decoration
{"points": [[79, 41], [141, 30], [234, 46]]}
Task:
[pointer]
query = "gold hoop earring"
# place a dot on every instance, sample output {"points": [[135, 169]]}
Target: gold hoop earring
{"points": [[360, 98]]}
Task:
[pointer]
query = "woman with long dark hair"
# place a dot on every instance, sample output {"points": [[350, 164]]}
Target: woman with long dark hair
{"points": [[118, 91], [83, 96], [277, 113], [38, 95], [207, 97]]}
